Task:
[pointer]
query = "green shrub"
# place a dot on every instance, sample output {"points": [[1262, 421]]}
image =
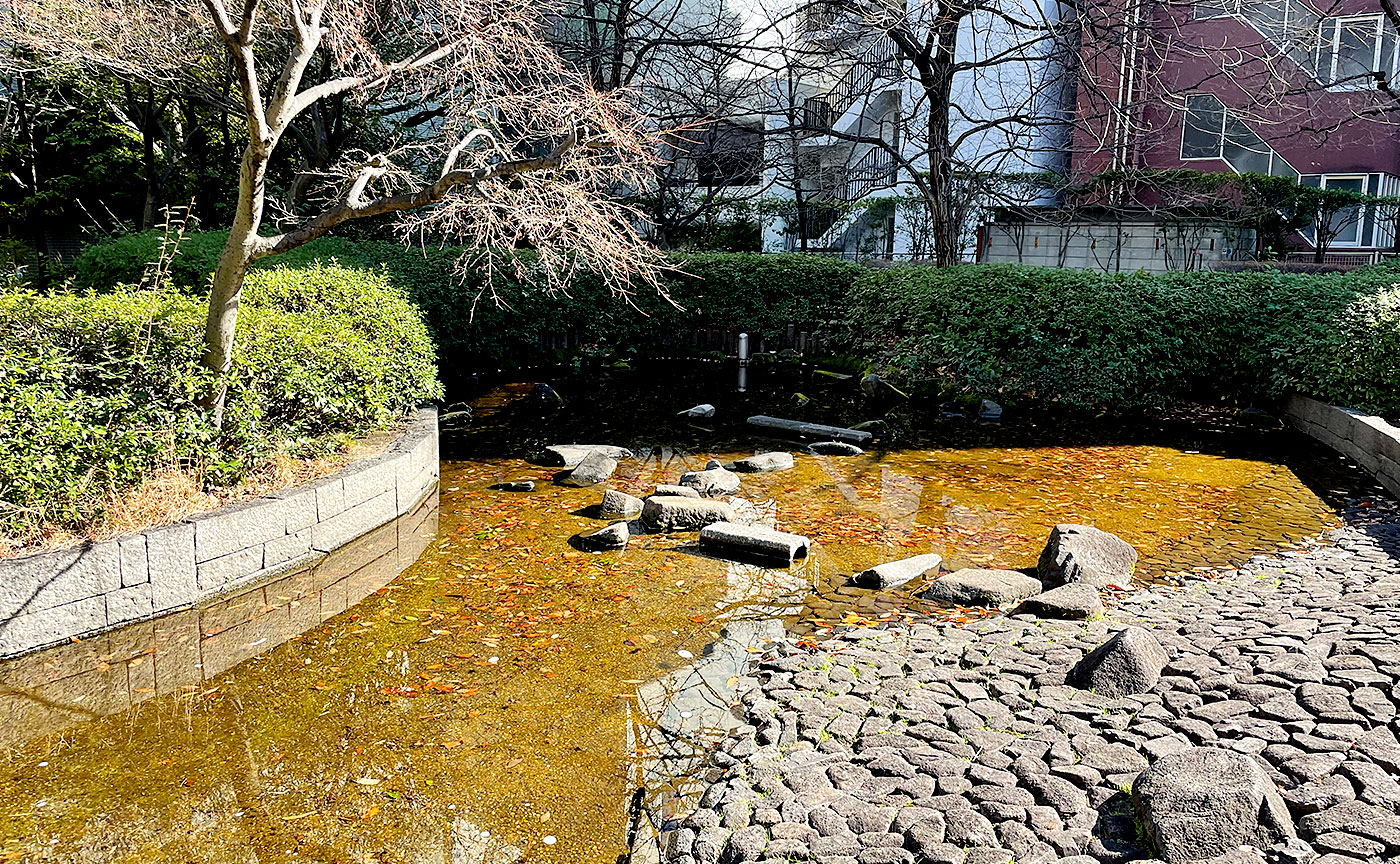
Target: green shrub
{"points": [[1130, 340], [763, 293], [97, 391]]}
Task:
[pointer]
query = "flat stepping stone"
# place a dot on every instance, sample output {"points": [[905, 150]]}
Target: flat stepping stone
{"points": [[614, 536], [678, 513], [834, 448], [1068, 602], [713, 482], [753, 541], [895, 573], [675, 491], [570, 455], [514, 486], [811, 430], [973, 587], [764, 463]]}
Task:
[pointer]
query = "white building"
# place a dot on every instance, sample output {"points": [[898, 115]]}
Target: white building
{"points": [[854, 102]]}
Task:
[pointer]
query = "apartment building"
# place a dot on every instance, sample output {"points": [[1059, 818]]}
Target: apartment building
{"points": [[1277, 87]]}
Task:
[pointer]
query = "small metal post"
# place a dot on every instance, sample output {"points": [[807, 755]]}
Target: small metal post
{"points": [[743, 362]]}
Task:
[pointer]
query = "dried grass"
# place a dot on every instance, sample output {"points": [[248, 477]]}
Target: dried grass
{"points": [[172, 494]]}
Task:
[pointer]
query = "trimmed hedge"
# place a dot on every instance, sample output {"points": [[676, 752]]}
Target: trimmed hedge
{"points": [[96, 391], [1132, 340], [762, 293]]}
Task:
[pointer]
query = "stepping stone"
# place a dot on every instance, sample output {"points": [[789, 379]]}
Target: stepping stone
{"points": [[1130, 662], [972, 587], [669, 489], [712, 482], [594, 469], [893, 573], [1082, 553], [514, 486], [753, 541], [614, 536], [1075, 602], [834, 448], [811, 430], [678, 513], [617, 504], [765, 462], [569, 455]]}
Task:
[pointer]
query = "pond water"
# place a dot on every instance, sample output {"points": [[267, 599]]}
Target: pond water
{"points": [[506, 696]]}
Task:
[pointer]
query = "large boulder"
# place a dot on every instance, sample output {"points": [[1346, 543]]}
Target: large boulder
{"points": [[594, 469], [1082, 553], [679, 513], [712, 482], [1075, 602], [764, 462], [569, 455], [614, 536], [972, 587], [1205, 802], [753, 541], [1130, 662], [617, 505], [894, 573]]}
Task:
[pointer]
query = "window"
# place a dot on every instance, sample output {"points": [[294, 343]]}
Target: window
{"points": [[817, 114], [1351, 51], [729, 155], [1210, 131], [1362, 225]]}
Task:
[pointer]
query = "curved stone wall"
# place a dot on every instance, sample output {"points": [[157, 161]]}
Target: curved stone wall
{"points": [[51, 597], [1369, 441]]}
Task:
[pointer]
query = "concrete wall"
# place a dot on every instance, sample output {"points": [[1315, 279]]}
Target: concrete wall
{"points": [[91, 588], [1108, 247], [1369, 441]]}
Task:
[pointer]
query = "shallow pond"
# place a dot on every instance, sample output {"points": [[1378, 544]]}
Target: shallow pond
{"points": [[503, 693]]}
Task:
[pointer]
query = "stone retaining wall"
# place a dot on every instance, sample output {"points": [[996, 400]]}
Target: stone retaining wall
{"points": [[51, 597], [1369, 441]]}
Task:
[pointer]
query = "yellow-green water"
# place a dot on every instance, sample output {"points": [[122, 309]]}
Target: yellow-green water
{"points": [[490, 686]]}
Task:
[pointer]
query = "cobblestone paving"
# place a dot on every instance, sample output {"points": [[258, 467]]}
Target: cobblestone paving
{"points": [[963, 745]]}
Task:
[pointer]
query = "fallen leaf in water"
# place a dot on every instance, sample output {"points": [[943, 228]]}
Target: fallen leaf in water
{"points": [[370, 812]]}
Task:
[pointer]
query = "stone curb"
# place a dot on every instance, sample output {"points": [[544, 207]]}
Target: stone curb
{"points": [[1369, 441], [51, 597]]}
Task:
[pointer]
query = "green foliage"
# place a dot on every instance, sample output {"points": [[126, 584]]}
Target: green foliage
{"points": [[1130, 340], [762, 293], [97, 391]]}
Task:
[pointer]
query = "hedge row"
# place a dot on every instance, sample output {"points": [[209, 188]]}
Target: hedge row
{"points": [[1131, 340], [97, 391], [761, 293]]}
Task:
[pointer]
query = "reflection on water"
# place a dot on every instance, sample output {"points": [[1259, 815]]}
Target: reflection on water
{"points": [[108, 674], [506, 696]]}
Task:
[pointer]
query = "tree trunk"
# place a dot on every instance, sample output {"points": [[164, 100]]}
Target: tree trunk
{"points": [[227, 289]]}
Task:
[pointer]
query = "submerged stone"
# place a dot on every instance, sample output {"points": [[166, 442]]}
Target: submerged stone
{"points": [[765, 462], [614, 536], [712, 482], [834, 448], [570, 455], [514, 486]]}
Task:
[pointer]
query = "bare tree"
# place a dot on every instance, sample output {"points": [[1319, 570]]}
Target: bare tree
{"points": [[522, 155]]}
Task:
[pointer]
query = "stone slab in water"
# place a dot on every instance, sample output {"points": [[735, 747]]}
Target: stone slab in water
{"points": [[893, 573], [753, 541], [764, 462], [570, 455], [594, 469], [614, 536], [712, 482], [1082, 553], [679, 513], [811, 430], [617, 503], [834, 448], [975, 587], [675, 491], [515, 486]]}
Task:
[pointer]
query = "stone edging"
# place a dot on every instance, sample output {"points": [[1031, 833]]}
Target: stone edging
{"points": [[50, 597], [1367, 440]]}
